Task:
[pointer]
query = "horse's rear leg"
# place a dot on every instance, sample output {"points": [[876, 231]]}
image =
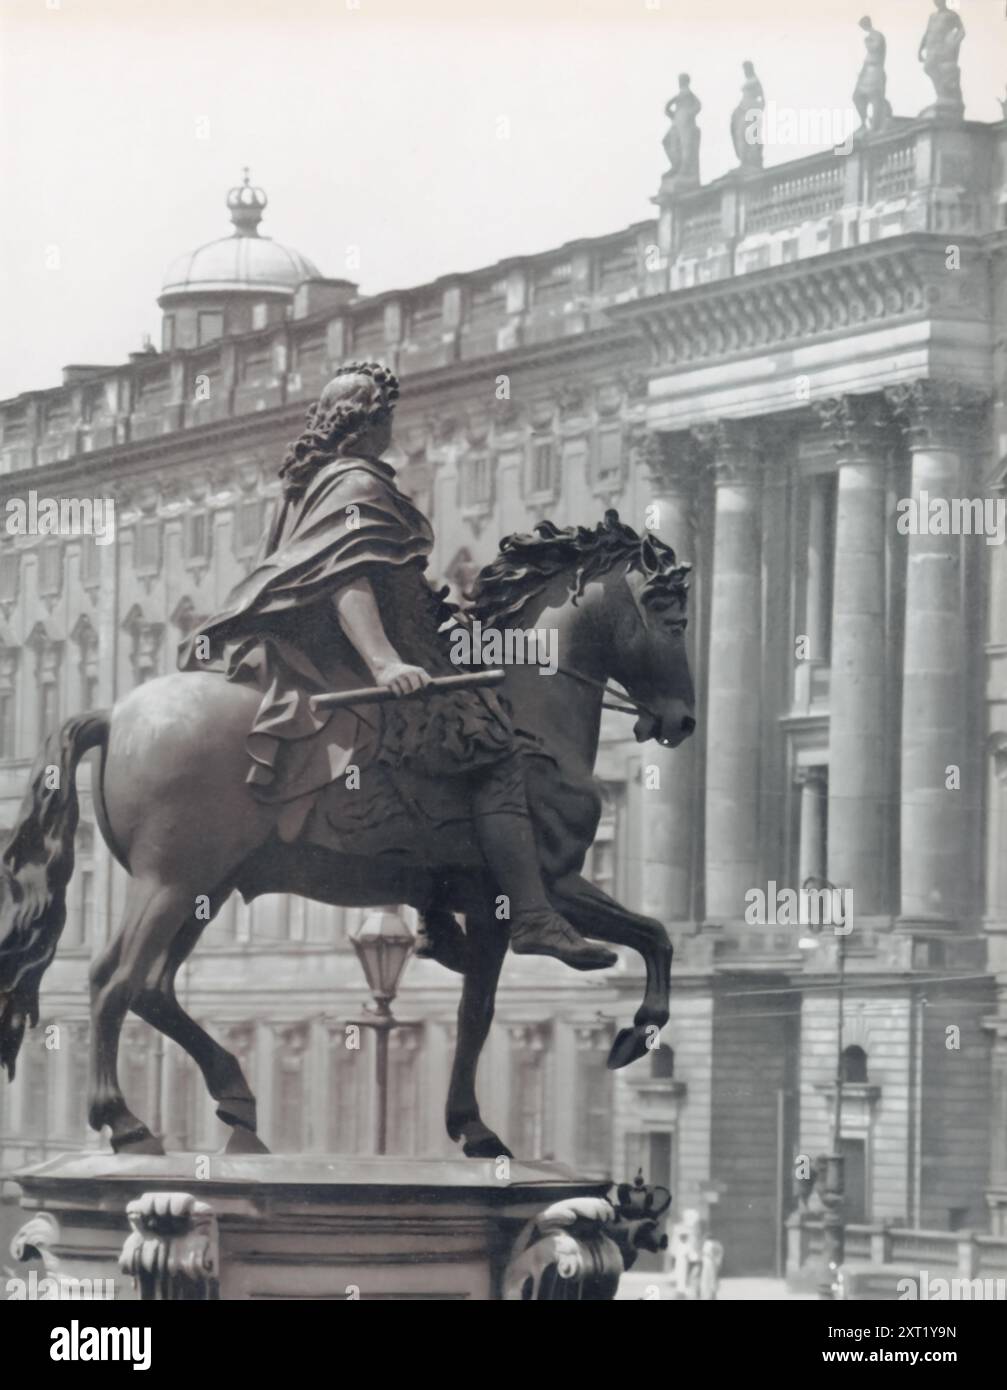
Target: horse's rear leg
{"points": [[487, 946], [158, 1005], [153, 917]]}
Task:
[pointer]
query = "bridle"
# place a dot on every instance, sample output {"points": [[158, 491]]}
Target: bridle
{"points": [[633, 707]]}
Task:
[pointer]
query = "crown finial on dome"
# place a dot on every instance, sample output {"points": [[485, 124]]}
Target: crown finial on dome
{"points": [[246, 205]]}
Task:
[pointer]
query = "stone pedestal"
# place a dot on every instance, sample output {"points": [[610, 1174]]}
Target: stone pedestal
{"points": [[306, 1226]]}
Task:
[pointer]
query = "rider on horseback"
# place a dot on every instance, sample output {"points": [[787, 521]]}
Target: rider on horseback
{"points": [[347, 545]]}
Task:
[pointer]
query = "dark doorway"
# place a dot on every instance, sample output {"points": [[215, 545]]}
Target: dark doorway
{"points": [[855, 1180]]}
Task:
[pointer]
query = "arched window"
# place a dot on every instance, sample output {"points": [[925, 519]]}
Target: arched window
{"points": [[854, 1064]]}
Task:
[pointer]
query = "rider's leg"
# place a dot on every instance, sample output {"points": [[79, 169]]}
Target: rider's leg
{"points": [[507, 840]]}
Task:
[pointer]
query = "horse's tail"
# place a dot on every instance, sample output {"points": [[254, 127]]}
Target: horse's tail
{"points": [[34, 871]]}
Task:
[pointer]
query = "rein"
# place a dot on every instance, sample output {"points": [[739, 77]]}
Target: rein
{"points": [[633, 707]]}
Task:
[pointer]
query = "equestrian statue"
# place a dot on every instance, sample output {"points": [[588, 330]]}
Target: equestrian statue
{"points": [[251, 769]]}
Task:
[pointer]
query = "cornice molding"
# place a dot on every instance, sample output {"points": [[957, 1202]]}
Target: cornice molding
{"points": [[838, 292], [202, 443]]}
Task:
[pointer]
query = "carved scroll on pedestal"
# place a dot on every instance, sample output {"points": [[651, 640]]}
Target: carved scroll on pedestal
{"points": [[579, 1249], [172, 1251]]}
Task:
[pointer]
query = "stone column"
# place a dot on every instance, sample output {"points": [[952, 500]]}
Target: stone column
{"points": [[667, 815], [940, 420], [996, 727], [996, 1194], [859, 796], [734, 706]]}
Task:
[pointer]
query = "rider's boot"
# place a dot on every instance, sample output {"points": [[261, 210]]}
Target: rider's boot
{"points": [[508, 842]]}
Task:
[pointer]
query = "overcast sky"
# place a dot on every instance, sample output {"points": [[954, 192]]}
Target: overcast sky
{"points": [[383, 126]]}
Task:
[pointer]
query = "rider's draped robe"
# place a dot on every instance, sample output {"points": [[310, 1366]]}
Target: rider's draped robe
{"points": [[279, 632]]}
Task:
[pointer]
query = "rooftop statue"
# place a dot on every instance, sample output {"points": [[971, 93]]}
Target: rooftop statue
{"points": [[314, 742], [869, 94], [747, 126], [938, 53], [681, 142]]}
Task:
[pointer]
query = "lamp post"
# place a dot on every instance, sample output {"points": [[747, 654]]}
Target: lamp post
{"points": [[383, 944], [830, 1175]]}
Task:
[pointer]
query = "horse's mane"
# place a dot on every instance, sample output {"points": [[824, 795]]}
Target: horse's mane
{"points": [[527, 563]]}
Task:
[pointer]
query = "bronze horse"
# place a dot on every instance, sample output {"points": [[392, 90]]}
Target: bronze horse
{"points": [[175, 810]]}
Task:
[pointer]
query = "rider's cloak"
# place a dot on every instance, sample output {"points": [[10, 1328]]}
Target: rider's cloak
{"points": [[279, 631]]}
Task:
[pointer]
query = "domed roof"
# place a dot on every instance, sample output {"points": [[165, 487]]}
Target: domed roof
{"points": [[242, 262]]}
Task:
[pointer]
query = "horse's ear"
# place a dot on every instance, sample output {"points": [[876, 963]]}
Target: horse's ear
{"points": [[648, 555]]}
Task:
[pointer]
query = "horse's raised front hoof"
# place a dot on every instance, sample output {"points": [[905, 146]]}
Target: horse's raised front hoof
{"points": [[481, 1142], [243, 1141], [137, 1141], [629, 1046], [441, 939]]}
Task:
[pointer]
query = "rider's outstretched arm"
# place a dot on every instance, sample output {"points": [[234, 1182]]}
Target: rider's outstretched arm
{"points": [[359, 617]]}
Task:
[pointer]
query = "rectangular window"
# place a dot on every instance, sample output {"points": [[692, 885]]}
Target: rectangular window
{"points": [[196, 536], [48, 707], [147, 556], [10, 572], [403, 1091], [78, 922], [90, 561], [35, 1100], [531, 1063], [608, 455], [812, 537], [543, 467], [248, 525], [87, 897], [291, 1084], [594, 1101], [260, 315], [7, 749], [50, 568], [855, 1203], [603, 867], [350, 1087], [210, 327], [168, 333], [477, 482]]}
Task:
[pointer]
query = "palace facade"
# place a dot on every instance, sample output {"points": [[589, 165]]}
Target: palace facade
{"points": [[775, 359]]}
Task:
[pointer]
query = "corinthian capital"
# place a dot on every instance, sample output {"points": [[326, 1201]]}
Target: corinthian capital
{"points": [[937, 414], [856, 425], [672, 462], [732, 449]]}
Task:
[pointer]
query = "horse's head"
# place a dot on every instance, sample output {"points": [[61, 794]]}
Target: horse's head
{"points": [[631, 628], [649, 657]]}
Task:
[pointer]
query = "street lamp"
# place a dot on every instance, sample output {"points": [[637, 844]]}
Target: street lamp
{"points": [[830, 1174], [383, 944]]}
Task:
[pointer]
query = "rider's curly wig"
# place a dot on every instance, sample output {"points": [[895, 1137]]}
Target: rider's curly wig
{"points": [[360, 396]]}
